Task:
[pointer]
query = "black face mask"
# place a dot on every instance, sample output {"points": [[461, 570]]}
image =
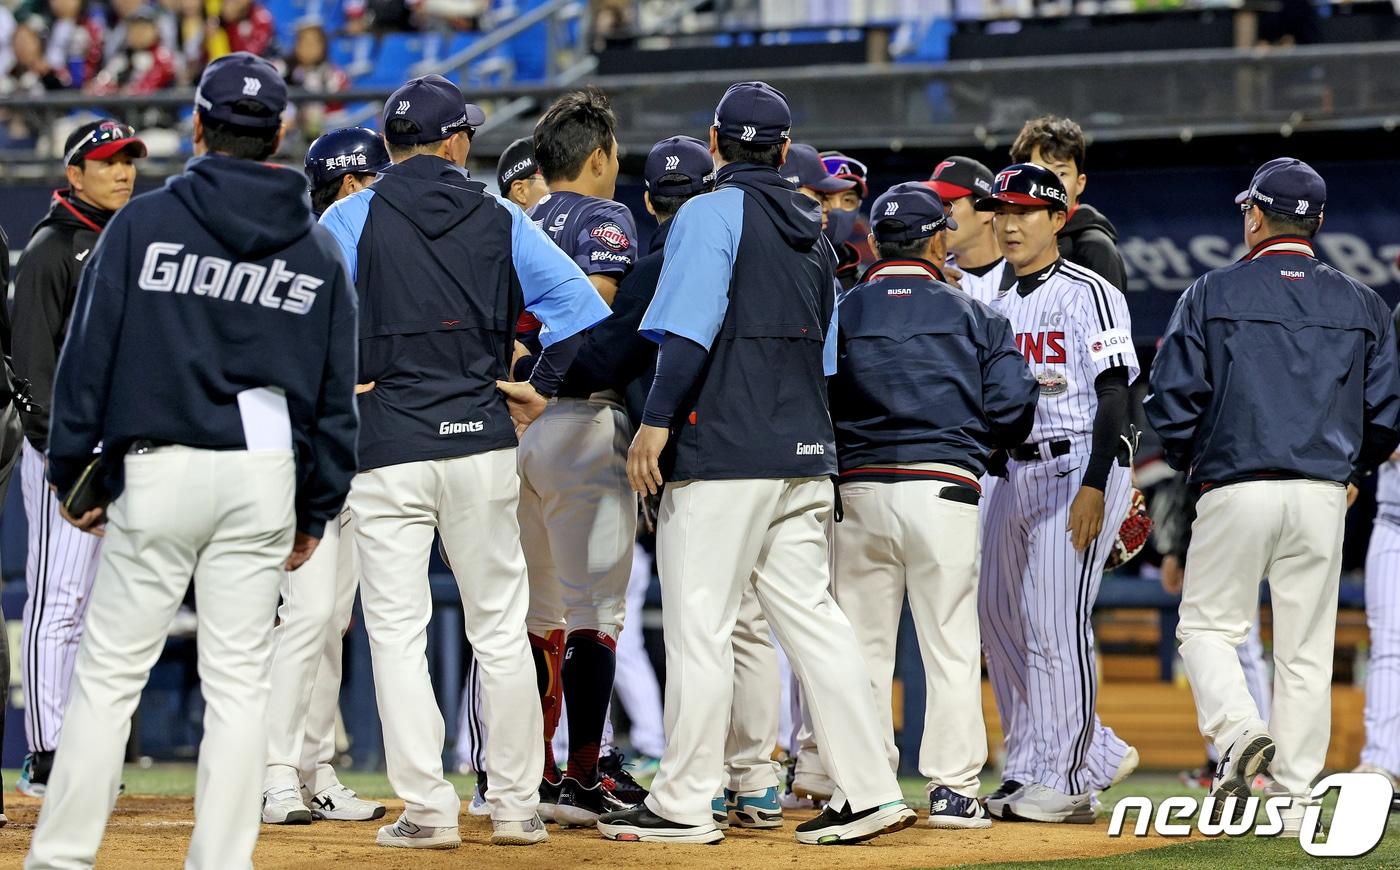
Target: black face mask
{"points": [[840, 223]]}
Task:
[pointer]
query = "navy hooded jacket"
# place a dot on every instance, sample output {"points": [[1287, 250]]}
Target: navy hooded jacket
{"points": [[925, 373], [216, 284], [1277, 365]]}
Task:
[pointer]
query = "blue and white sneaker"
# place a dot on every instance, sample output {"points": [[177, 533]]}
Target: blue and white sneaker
{"points": [[34, 774], [950, 810], [718, 810], [754, 809]]}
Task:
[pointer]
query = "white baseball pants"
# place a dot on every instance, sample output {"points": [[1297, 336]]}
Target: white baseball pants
{"points": [[1383, 674], [471, 502], [714, 537], [225, 517], [1291, 532]]}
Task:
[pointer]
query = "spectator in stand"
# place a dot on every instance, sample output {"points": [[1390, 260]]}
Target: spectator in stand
{"points": [[243, 25], [191, 29], [75, 40], [7, 36], [310, 68], [117, 12], [31, 73], [143, 65]]}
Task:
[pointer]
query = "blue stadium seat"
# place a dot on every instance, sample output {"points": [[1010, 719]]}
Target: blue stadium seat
{"points": [[398, 52], [354, 54], [932, 45]]}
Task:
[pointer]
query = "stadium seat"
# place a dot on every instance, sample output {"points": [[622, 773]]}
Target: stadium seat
{"points": [[354, 54], [932, 45], [398, 53]]}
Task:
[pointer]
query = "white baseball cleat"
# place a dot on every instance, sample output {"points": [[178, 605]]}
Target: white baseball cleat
{"points": [[282, 806], [526, 833], [339, 804], [815, 786], [1247, 757], [1126, 767], [1040, 803], [404, 834]]}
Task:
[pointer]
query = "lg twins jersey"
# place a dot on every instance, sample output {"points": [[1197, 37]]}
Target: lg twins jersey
{"points": [[1071, 326], [1388, 485], [987, 286]]}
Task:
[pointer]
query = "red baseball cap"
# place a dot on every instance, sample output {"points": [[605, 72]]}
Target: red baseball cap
{"points": [[956, 177], [101, 140]]}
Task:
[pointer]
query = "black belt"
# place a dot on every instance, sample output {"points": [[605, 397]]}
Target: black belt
{"points": [[1031, 452]]}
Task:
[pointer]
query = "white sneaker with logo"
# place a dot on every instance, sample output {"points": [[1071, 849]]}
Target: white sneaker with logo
{"points": [[404, 834]]}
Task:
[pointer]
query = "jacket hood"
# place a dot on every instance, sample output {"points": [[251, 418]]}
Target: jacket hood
{"points": [[67, 210], [797, 216], [1086, 217], [253, 208], [432, 193]]}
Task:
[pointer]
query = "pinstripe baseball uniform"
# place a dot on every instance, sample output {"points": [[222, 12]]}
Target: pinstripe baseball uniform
{"points": [[1038, 591], [1382, 604]]}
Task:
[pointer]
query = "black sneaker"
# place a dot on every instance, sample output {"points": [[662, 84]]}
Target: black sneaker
{"points": [[839, 827], [549, 798], [34, 775], [617, 780], [640, 825], [580, 805], [997, 800]]}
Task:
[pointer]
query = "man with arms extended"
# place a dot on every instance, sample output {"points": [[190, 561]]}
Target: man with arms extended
{"points": [[212, 355], [443, 269], [744, 314], [100, 163], [1274, 498]]}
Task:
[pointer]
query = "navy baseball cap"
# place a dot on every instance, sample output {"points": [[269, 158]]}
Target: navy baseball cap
{"points": [[907, 212], [1025, 184], [805, 169], [242, 89], [754, 112], [679, 166], [428, 109], [341, 152], [847, 168], [959, 176], [517, 162], [1288, 186]]}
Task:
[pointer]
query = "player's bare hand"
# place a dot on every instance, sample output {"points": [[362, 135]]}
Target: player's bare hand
{"points": [[520, 352], [952, 274], [1085, 517], [1352, 493], [525, 403], [644, 459], [302, 548], [1173, 575], [361, 389], [93, 522]]}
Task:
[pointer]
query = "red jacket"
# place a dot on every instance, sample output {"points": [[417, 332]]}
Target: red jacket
{"points": [[254, 33]]}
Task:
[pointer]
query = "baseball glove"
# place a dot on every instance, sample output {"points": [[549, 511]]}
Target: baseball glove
{"points": [[1132, 534]]}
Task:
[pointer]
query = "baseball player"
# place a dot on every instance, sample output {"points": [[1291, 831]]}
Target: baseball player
{"points": [[437, 262], [1050, 523], [844, 223], [974, 262], [1381, 754], [307, 644], [226, 467], [910, 461], [1087, 238], [100, 164], [1272, 504], [744, 313], [11, 442], [518, 175], [804, 169], [578, 516]]}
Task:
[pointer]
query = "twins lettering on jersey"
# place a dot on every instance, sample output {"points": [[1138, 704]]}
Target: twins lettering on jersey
{"points": [[1042, 347], [164, 271]]}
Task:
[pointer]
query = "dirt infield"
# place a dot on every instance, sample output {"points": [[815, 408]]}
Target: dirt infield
{"points": [[152, 832]]}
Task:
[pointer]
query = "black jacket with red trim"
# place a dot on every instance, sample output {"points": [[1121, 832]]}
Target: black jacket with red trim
{"points": [[1277, 366], [46, 283], [924, 373]]}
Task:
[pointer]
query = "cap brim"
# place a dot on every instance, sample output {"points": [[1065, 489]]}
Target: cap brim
{"points": [[990, 203], [831, 184], [475, 116], [949, 223], [946, 191], [110, 149], [1243, 195]]}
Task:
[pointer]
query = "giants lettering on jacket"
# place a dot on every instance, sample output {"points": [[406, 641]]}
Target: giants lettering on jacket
{"points": [[1041, 347], [165, 271]]}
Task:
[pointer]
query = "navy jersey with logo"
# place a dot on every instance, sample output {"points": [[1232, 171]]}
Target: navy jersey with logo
{"points": [[598, 234]]}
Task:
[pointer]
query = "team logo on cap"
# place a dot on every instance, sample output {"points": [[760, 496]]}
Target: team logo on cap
{"points": [[402, 108], [251, 86], [1004, 178], [611, 235], [938, 170], [749, 133], [672, 163], [891, 208]]}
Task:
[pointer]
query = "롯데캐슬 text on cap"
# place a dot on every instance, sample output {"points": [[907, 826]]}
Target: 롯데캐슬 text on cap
{"points": [[679, 166], [908, 211], [428, 109], [1288, 186], [958, 176], [753, 112], [242, 89], [805, 169]]}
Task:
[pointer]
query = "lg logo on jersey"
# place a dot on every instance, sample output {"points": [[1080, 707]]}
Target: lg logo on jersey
{"points": [[1358, 822]]}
